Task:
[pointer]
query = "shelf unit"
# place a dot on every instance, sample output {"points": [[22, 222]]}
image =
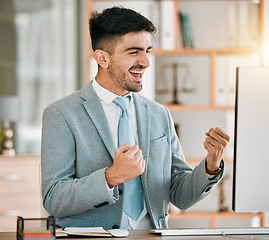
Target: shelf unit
{"points": [[195, 161], [179, 107], [212, 54], [20, 193]]}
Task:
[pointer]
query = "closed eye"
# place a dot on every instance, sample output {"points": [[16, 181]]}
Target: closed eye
{"points": [[135, 50], [133, 53]]}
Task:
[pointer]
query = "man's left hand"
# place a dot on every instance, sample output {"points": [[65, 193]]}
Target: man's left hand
{"points": [[215, 144]]}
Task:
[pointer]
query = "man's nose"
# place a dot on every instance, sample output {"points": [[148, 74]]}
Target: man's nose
{"points": [[144, 60]]}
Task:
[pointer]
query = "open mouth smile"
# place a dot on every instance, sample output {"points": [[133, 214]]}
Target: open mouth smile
{"points": [[137, 73]]}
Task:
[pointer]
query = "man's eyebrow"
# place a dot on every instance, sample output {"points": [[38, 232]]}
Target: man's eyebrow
{"points": [[137, 48]]}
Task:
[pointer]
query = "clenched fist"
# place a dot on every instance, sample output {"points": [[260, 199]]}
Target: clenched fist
{"points": [[128, 164], [215, 144]]}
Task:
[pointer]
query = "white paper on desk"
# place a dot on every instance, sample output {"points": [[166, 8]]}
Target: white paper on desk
{"points": [[85, 231]]}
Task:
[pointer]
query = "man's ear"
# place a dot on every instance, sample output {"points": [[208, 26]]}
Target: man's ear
{"points": [[101, 57]]}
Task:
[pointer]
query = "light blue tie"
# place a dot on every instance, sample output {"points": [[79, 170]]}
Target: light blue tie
{"points": [[133, 196]]}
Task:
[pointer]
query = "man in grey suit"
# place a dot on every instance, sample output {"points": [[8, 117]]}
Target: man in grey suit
{"points": [[84, 170]]}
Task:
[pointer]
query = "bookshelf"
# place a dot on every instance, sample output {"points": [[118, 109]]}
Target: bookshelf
{"points": [[213, 55]]}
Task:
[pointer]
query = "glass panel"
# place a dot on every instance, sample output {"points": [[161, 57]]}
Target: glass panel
{"points": [[46, 62]]}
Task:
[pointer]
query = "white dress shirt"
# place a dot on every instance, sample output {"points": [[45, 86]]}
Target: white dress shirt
{"points": [[112, 112]]}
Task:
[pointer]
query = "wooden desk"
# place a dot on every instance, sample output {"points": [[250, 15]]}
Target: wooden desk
{"points": [[145, 235]]}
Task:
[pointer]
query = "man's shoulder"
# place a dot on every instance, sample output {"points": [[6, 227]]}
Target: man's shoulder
{"points": [[67, 101], [73, 99], [151, 103]]}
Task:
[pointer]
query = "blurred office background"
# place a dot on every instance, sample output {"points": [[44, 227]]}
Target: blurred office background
{"points": [[44, 56], [44, 53], [42, 49]]}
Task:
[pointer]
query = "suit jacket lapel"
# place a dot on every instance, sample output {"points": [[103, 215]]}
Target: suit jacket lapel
{"points": [[143, 128], [95, 111]]}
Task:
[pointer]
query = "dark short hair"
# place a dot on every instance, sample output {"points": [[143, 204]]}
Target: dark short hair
{"points": [[108, 26]]}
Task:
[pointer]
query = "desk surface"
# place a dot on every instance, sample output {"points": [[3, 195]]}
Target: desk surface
{"points": [[146, 235]]}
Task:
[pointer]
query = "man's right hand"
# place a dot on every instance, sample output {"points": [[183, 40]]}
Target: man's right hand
{"points": [[127, 165]]}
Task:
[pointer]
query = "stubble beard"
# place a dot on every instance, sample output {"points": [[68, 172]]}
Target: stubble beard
{"points": [[122, 79]]}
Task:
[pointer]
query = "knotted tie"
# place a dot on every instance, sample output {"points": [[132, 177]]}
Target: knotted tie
{"points": [[133, 196]]}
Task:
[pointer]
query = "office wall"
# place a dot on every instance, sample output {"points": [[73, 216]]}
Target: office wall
{"points": [[8, 79]]}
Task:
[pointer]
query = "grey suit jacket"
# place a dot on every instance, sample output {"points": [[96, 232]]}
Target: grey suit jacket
{"points": [[77, 147]]}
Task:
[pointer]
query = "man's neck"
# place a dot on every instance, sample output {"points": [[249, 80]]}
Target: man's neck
{"points": [[103, 80]]}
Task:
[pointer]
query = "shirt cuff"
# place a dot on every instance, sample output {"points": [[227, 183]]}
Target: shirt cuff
{"points": [[110, 190]]}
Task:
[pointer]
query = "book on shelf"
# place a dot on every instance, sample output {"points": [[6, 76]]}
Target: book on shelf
{"points": [[243, 24], [184, 40], [185, 30], [254, 24], [231, 23], [225, 76], [221, 97], [167, 25]]}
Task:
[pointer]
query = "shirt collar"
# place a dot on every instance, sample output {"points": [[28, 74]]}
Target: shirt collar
{"points": [[104, 94]]}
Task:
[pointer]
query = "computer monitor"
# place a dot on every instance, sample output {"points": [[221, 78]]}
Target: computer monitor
{"points": [[251, 140]]}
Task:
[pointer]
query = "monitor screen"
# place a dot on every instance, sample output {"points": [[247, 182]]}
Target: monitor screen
{"points": [[251, 140]]}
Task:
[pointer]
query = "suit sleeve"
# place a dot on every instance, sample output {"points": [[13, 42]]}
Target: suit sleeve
{"points": [[188, 186], [64, 194]]}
